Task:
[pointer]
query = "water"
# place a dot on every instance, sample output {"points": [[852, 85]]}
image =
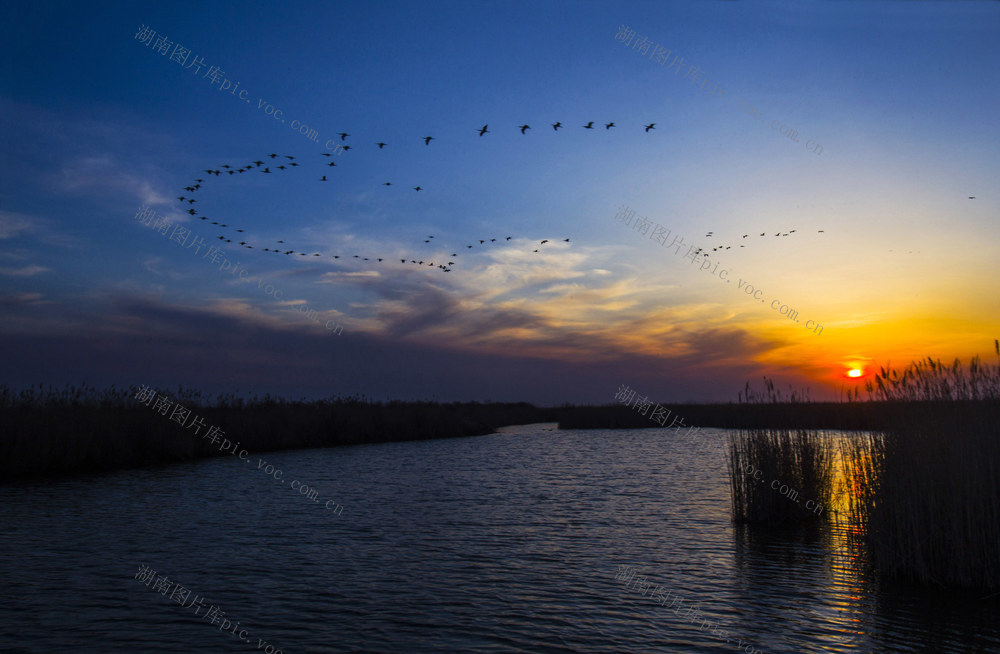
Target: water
{"points": [[502, 543]]}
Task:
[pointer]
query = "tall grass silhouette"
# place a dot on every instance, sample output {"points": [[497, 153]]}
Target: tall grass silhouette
{"points": [[927, 488]]}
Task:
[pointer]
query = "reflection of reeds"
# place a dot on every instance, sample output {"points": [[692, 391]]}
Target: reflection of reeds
{"points": [[800, 460], [927, 487]]}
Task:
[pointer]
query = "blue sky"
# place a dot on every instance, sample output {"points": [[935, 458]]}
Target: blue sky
{"points": [[900, 96]]}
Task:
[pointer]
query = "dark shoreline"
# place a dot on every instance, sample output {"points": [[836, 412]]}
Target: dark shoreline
{"points": [[58, 436]]}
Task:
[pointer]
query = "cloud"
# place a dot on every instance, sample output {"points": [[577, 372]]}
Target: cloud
{"points": [[21, 300], [27, 271], [13, 225], [102, 174]]}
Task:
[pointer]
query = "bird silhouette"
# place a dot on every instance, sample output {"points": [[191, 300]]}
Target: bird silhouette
{"points": [[556, 126], [272, 155], [524, 128], [346, 147], [428, 139], [417, 188], [343, 136], [331, 164], [545, 241], [650, 126], [609, 126], [380, 145], [972, 197], [323, 178], [589, 125], [289, 157], [387, 184], [483, 130]]}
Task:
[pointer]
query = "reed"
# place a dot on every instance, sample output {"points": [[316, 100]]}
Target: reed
{"points": [[926, 488], [50, 431], [760, 459]]}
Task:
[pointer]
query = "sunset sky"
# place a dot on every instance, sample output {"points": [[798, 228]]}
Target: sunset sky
{"points": [[902, 99]]}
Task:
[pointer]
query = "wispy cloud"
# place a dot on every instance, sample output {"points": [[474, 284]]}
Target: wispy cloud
{"points": [[27, 271]]}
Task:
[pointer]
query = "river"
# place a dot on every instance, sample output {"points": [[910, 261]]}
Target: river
{"points": [[503, 543]]}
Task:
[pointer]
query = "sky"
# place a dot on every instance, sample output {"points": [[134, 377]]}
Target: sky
{"points": [[852, 135]]}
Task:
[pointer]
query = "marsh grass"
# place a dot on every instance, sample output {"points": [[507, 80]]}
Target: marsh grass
{"points": [[49, 431], [926, 489], [799, 459]]}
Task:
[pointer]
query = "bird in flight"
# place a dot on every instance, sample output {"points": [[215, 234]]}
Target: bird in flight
{"points": [[483, 130], [387, 184], [380, 145], [323, 178], [428, 139], [972, 197], [343, 136], [650, 126], [346, 147], [609, 126], [524, 128], [272, 155], [589, 125], [417, 188], [556, 126]]}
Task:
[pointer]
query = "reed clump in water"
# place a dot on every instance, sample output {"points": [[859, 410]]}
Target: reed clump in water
{"points": [[927, 488], [779, 475]]}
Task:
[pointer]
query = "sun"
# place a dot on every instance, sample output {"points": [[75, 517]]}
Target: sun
{"points": [[854, 373]]}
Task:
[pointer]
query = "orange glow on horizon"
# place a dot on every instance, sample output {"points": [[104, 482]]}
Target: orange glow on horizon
{"points": [[855, 373]]}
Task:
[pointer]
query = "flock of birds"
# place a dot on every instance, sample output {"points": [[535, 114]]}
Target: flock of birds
{"points": [[264, 166], [283, 163], [730, 247]]}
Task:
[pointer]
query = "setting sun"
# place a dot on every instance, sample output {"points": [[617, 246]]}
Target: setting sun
{"points": [[854, 373]]}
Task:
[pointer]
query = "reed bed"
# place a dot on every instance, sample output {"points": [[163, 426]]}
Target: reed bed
{"points": [[927, 488], [49, 431], [801, 460], [923, 487]]}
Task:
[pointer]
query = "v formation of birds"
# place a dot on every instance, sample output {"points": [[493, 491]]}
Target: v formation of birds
{"points": [[282, 163], [265, 165]]}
